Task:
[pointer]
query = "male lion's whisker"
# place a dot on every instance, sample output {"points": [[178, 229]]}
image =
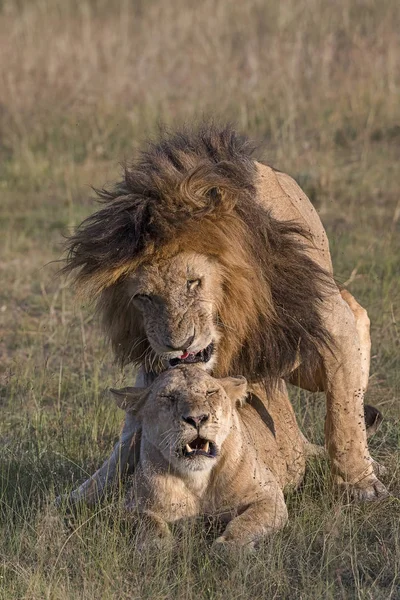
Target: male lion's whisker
{"points": [[147, 359], [144, 353], [154, 361], [137, 344]]}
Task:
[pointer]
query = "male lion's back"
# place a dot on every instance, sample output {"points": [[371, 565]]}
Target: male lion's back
{"points": [[281, 194]]}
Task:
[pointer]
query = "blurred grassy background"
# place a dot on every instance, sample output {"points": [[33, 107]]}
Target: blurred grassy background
{"points": [[82, 84]]}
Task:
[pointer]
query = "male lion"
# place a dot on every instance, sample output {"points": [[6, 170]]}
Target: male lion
{"points": [[203, 255], [209, 448]]}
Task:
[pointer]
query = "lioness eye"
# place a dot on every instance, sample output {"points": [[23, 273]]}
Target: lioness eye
{"points": [[211, 392], [193, 283]]}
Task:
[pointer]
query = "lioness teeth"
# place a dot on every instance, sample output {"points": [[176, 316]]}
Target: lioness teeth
{"points": [[199, 447]]}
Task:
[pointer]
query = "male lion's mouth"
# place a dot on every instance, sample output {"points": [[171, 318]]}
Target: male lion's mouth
{"points": [[200, 447], [190, 358]]}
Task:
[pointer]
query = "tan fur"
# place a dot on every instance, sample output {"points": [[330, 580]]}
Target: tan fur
{"points": [[198, 207], [260, 453]]}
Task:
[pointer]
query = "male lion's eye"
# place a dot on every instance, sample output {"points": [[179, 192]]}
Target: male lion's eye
{"points": [[169, 397], [193, 284], [143, 297], [211, 392]]}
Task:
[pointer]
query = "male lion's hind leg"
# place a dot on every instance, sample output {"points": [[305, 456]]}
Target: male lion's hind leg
{"points": [[345, 377], [363, 330], [373, 417]]}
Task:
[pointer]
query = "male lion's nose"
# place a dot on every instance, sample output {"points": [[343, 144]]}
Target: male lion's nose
{"points": [[195, 420], [184, 345]]}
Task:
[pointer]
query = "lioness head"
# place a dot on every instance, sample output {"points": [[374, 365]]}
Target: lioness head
{"points": [[186, 414]]}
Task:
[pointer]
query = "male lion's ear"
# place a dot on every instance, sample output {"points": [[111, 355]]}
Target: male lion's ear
{"points": [[129, 399], [236, 388]]}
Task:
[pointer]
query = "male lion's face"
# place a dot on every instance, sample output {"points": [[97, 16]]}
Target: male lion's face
{"points": [[186, 415], [178, 299]]}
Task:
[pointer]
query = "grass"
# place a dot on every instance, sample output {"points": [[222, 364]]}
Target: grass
{"points": [[82, 85]]}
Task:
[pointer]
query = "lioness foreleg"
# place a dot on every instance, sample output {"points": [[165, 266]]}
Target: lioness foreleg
{"points": [[153, 532], [259, 520]]}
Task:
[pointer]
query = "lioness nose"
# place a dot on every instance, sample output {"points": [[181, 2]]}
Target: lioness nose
{"points": [[195, 420]]}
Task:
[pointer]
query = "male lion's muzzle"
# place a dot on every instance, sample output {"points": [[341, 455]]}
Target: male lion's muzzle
{"points": [[187, 358]]}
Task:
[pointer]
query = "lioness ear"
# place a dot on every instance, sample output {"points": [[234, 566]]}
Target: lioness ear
{"points": [[236, 388], [129, 399]]}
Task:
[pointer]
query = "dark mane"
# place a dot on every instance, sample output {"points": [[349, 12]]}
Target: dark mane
{"points": [[196, 191]]}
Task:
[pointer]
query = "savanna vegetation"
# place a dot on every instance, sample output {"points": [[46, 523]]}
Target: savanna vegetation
{"points": [[82, 84]]}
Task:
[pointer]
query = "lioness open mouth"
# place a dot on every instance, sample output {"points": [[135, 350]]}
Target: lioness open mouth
{"points": [[189, 358], [200, 447]]}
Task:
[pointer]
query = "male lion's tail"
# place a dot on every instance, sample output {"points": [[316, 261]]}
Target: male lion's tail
{"points": [[373, 419]]}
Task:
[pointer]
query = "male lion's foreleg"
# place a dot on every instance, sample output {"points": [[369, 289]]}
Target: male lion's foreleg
{"points": [[344, 383], [259, 520], [122, 460]]}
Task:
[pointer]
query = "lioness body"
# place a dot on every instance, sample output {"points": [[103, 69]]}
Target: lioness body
{"points": [[259, 451], [204, 255]]}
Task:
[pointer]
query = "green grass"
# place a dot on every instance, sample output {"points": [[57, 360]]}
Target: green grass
{"points": [[82, 84]]}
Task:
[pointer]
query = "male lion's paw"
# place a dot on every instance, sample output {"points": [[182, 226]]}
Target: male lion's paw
{"points": [[379, 470], [372, 491], [67, 505], [59, 501]]}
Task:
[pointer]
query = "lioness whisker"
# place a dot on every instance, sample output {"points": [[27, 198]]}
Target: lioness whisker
{"points": [[169, 432]]}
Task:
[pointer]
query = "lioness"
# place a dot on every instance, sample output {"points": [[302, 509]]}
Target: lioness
{"points": [[202, 254], [210, 448], [206, 451]]}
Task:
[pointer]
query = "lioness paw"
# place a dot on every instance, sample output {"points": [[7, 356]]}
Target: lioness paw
{"points": [[225, 548], [153, 534], [150, 542]]}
